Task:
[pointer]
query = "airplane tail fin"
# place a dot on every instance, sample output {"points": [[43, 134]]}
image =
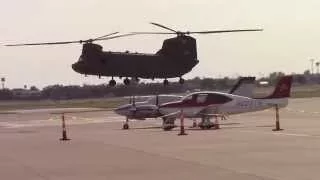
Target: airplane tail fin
{"points": [[282, 89], [244, 87]]}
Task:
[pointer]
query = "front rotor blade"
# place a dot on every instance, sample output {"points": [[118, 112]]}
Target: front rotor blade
{"points": [[47, 43], [110, 34], [118, 36], [105, 37], [162, 26], [223, 31]]}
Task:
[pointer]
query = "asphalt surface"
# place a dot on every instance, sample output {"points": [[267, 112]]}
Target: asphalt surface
{"points": [[245, 148]]}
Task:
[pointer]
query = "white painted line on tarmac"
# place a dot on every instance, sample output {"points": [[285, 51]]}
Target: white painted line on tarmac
{"points": [[280, 133], [57, 122], [292, 134]]}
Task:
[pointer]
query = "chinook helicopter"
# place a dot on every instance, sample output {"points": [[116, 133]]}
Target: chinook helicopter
{"points": [[177, 57]]}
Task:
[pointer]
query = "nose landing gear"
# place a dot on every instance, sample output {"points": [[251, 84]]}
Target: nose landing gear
{"points": [[126, 124]]}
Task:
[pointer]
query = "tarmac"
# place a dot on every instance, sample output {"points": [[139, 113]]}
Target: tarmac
{"points": [[245, 148]]}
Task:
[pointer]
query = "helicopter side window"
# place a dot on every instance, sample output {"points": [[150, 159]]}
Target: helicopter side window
{"points": [[201, 98]]}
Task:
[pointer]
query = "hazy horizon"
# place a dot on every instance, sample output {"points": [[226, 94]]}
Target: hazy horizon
{"points": [[287, 44]]}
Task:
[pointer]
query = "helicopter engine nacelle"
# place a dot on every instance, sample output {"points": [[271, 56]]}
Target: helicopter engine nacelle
{"points": [[180, 46]]}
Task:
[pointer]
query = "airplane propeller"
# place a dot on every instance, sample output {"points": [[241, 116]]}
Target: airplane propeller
{"points": [[157, 100], [181, 33], [132, 101]]}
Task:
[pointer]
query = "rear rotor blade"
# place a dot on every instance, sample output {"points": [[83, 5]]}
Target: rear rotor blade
{"points": [[222, 31], [162, 26], [137, 33]]}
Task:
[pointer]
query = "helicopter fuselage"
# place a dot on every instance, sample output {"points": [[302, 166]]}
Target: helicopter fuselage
{"points": [[134, 65], [177, 57]]}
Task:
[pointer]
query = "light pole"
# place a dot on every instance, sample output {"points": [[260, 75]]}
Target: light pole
{"points": [[312, 61], [3, 80]]}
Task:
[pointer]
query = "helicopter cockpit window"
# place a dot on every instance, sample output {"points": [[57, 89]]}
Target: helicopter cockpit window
{"points": [[201, 98]]}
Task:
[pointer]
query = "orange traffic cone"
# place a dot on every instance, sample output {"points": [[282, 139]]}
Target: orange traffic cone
{"points": [[277, 120], [64, 130]]}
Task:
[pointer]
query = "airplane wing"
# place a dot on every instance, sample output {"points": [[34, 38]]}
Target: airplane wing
{"points": [[171, 115], [223, 116], [212, 111]]}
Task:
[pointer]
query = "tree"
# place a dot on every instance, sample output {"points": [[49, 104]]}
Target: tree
{"points": [[306, 72], [207, 83], [273, 77], [34, 88]]}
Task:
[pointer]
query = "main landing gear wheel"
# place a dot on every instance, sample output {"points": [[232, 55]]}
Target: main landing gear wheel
{"points": [[181, 81], [168, 124], [165, 82], [112, 83], [126, 81], [206, 123], [125, 126]]}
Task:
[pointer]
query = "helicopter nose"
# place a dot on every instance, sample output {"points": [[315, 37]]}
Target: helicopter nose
{"points": [[79, 68], [75, 67]]}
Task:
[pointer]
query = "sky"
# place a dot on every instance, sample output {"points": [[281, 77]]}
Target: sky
{"points": [[290, 38]]}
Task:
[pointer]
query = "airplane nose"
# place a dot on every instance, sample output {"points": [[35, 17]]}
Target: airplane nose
{"points": [[122, 110], [118, 111]]}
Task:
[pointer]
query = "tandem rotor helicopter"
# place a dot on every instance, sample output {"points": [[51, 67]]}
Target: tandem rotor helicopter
{"points": [[177, 57]]}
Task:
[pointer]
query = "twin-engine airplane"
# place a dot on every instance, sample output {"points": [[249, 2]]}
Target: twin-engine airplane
{"points": [[214, 104], [150, 108]]}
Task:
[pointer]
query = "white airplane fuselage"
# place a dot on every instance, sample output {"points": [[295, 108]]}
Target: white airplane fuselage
{"points": [[233, 105]]}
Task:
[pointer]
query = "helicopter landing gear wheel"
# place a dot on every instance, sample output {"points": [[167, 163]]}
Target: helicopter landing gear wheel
{"points": [[165, 82], [112, 82], [126, 81], [181, 81]]}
